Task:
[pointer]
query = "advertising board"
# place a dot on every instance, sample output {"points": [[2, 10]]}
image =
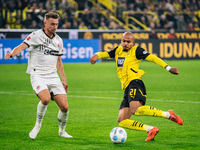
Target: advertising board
{"points": [[73, 50]]}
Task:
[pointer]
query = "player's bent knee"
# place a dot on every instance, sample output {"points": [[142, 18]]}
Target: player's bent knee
{"points": [[64, 108], [133, 110], [45, 101]]}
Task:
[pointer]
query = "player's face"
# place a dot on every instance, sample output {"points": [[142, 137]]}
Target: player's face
{"points": [[51, 25], [127, 42]]}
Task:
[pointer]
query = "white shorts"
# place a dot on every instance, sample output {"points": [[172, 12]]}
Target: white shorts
{"points": [[50, 82]]}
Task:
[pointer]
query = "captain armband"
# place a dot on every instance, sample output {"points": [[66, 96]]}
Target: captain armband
{"points": [[168, 68]]}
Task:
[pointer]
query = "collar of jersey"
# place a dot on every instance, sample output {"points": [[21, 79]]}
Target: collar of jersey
{"points": [[47, 35]]}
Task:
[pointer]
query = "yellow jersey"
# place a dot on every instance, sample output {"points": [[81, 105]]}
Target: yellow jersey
{"points": [[128, 62]]}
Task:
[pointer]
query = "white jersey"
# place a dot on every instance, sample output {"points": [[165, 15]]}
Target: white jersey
{"points": [[43, 53]]}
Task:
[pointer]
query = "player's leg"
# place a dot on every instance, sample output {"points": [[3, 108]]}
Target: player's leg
{"points": [[44, 97], [61, 100], [151, 111], [125, 114], [58, 94], [137, 91], [133, 99], [124, 121]]}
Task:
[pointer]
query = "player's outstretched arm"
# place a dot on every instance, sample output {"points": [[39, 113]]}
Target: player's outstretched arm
{"points": [[99, 55], [16, 51], [94, 58], [161, 63]]}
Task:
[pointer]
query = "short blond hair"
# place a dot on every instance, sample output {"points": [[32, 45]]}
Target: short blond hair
{"points": [[52, 14]]}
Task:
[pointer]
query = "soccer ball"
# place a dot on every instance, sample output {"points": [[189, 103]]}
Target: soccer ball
{"points": [[118, 135]]}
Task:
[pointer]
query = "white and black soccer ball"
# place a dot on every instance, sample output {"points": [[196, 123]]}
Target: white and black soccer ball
{"points": [[118, 135]]}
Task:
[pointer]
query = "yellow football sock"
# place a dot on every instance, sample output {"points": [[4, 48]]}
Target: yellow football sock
{"points": [[150, 111], [132, 124]]}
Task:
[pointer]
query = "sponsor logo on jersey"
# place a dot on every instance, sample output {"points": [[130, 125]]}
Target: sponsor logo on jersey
{"points": [[51, 52], [120, 61]]}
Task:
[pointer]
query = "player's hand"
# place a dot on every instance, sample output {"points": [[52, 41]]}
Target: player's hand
{"points": [[93, 59], [174, 70], [8, 56], [65, 85]]}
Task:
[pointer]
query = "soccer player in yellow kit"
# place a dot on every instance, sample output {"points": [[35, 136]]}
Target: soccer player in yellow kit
{"points": [[128, 57]]}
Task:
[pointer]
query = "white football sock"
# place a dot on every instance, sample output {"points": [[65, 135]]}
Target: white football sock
{"points": [[168, 115], [62, 119], [149, 128], [41, 110]]}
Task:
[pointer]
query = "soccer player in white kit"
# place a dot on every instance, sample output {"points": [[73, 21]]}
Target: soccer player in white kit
{"points": [[43, 63]]}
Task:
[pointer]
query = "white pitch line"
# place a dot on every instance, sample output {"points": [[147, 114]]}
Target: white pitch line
{"points": [[15, 93], [159, 100], [99, 97], [182, 92]]}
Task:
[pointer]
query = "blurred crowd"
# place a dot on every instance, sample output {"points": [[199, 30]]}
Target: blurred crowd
{"points": [[181, 15]]}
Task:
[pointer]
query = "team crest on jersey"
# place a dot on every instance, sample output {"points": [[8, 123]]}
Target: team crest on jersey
{"points": [[120, 61]]}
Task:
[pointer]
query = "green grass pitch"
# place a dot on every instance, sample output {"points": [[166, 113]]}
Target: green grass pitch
{"points": [[94, 97]]}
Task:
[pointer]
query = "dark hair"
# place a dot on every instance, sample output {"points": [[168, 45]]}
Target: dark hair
{"points": [[53, 15]]}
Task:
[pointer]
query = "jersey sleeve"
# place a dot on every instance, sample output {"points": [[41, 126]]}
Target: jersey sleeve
{"points": [[31, 39], [61, 47], [156, 60], [112, 52], [141, 53], [102, 55]]}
